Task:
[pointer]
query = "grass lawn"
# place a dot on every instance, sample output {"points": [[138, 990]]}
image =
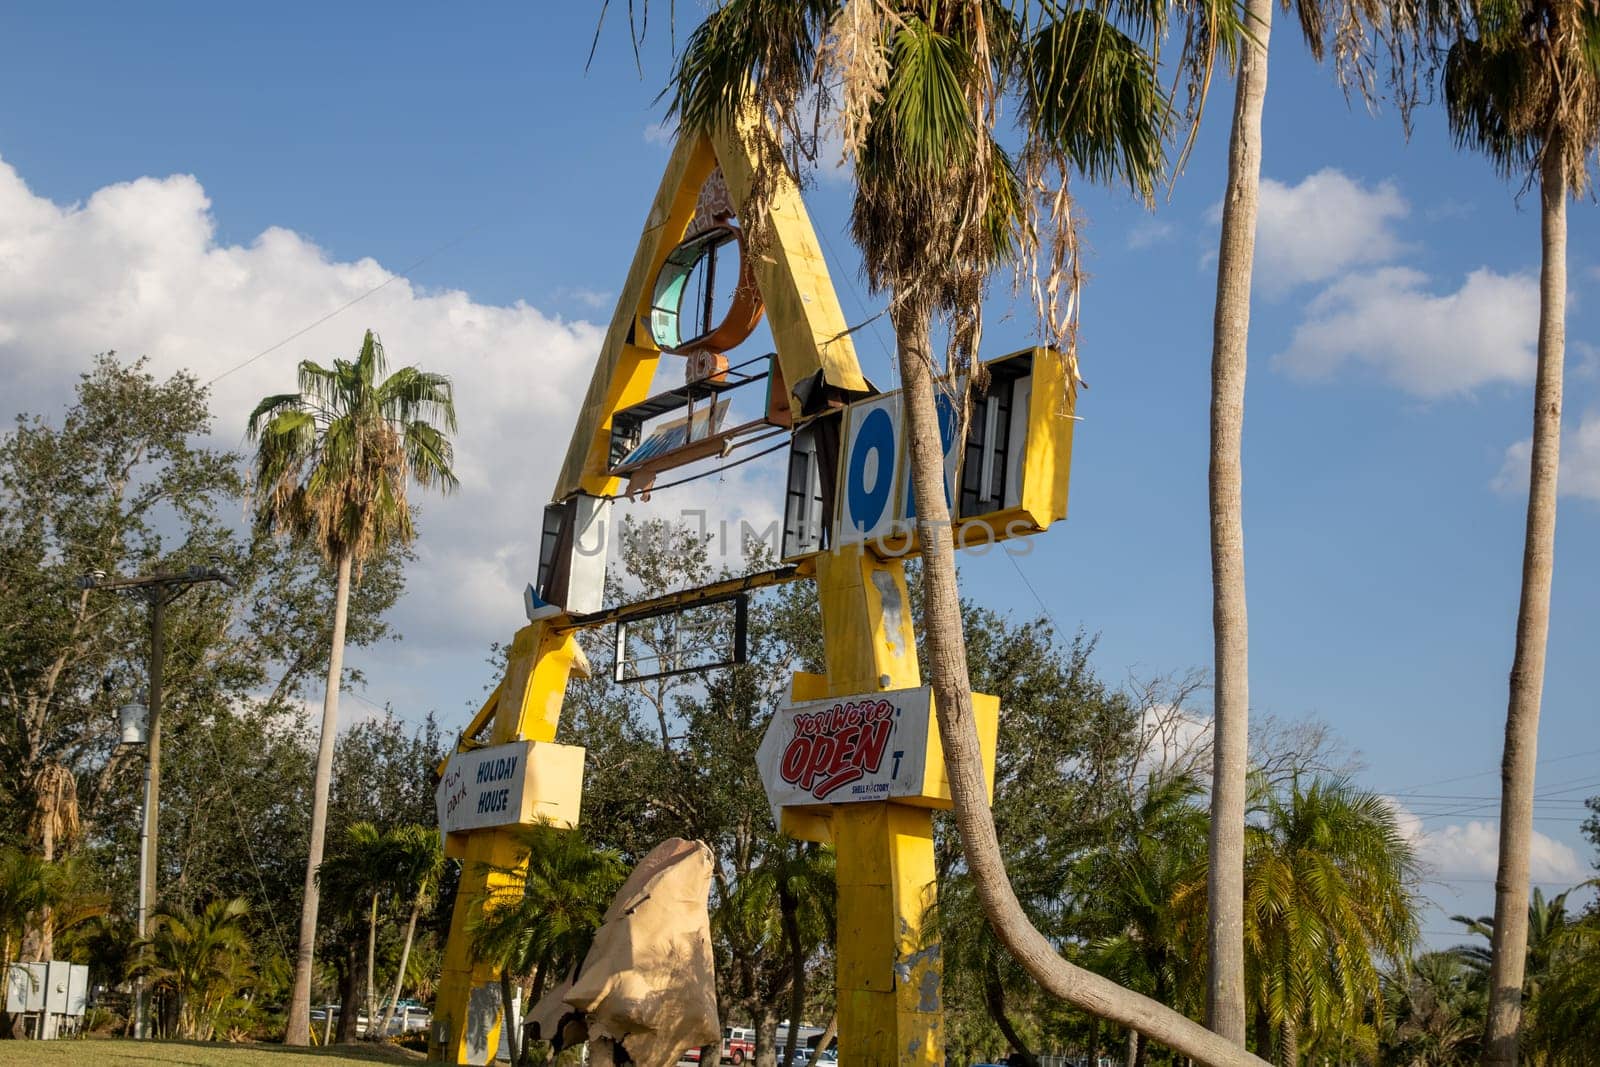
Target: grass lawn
{"points": [[110, 1052]]}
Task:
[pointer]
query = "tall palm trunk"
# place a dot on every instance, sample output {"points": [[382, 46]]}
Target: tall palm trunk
{"points": [[1289, 1054], [1225, 997], [947, 667], [298, 1031], [372, 959], [1510, 939], [510, 1016], [405, 958], [789, 910]]}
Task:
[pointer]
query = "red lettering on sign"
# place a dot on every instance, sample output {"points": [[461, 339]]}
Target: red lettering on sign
{"points": [[838, 745]]}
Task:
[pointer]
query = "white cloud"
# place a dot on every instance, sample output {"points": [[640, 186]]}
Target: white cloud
{"points": [[1580, 462], [1174, 740], [137, 267], [660, 133], [1329, 222], [1146, 233], [1471, 850], [1428, 344]]}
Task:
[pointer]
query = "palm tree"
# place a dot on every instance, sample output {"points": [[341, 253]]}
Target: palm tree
{"points": [[53, 824], [332, 466], [1348, 26], [355, 878], [1329, 879], [200, 960], [1565, 1010], [802, 878], [27, 890], [544, 925], [416, 860], [1435, 1007], [1138, 892], [1522, 85], [1548, 921], [939, 205]]}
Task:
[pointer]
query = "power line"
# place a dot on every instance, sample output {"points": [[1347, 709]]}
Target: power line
{"points": [[1485, 774], [347, 305]]}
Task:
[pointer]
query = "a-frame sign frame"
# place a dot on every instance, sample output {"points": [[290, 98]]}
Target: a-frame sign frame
{"points": [[888, 973]]}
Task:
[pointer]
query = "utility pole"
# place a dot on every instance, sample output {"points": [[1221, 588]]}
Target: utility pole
{"points": [[157, 591]]}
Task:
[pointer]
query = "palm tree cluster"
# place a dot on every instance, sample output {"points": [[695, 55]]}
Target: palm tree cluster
{"points": [[198, 964], [376, 875], [1438, 1006], [1329, 889]]}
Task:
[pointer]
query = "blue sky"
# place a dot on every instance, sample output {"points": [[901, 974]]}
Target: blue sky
{"points": [[198, 184]]}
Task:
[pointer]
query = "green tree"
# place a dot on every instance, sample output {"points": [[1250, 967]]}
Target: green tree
{"points": [[416, 860], [544, 926], [332, 465], [355, 878], [939, 205], [105, 489], [1132, 894], [199, 959], [1565, 1007], [1434, 1009], [121, 481], [1329, 883], [1522, 85]]}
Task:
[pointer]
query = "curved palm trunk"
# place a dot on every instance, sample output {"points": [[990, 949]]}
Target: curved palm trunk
{"points": [[298, 1031], [828, 1034], [947, 667], [1225, 995], [1510, 939], [405, 958]]}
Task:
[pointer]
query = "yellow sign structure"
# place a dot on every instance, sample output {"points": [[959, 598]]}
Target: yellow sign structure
{"points": [[849, 521]]}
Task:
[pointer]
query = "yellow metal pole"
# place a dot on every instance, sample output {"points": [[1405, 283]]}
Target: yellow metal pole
{"points": [[467, 1016], [888, 980]]}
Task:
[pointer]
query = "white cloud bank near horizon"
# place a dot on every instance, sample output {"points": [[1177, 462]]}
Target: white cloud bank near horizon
{"points": [[137, 268]]}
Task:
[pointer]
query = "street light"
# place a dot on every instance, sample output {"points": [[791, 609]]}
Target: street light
{"points": [[157, 591]]}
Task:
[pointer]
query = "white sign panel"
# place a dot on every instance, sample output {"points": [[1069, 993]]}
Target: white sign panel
{"points": [[870, 464], [845, 749], [516, 784], [483, 787]]}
